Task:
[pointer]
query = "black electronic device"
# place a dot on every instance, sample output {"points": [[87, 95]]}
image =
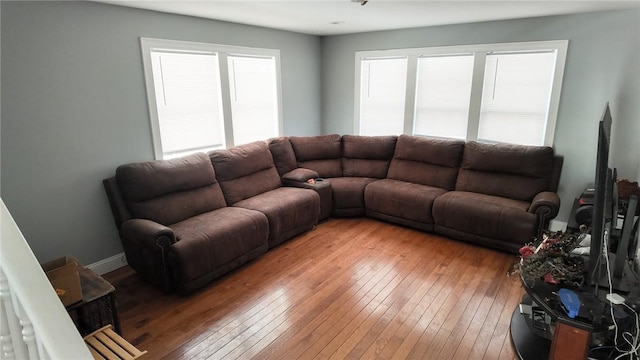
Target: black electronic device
{"points": [[586, 198], [602, 198], [626, 245], [583, 212], [604, 221]]}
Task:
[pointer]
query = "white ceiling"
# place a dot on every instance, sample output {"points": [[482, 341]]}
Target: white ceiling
{"points": [[332, 17]]}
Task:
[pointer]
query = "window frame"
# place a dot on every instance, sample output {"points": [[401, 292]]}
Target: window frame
{"points": [[479, 52], [147, 45]]}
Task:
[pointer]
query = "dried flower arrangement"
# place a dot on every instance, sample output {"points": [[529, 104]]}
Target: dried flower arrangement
{"points": [[551, 259]]}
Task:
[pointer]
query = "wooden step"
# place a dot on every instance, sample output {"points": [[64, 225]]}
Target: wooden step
{"points": [[106, 344]]}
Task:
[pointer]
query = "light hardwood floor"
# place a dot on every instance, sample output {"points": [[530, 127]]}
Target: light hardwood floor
{"points": [[349, 289]]}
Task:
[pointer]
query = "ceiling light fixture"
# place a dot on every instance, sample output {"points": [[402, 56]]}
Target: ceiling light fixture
{"points": [[362, 2]]}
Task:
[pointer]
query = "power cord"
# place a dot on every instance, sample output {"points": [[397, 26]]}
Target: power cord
{"points": [[629, 338], [633, 341]]}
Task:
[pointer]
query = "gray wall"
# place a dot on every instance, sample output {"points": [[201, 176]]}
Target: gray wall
{"points": [[74, 107], [602, 65]]}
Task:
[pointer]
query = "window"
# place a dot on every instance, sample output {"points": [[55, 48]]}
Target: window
{"points": [[443, 88], [254, 98], [188, 101], [204, 97], [383, 91], [494, 93], [515, 97]]}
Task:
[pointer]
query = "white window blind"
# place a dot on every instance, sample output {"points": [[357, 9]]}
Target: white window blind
{"points": [[188, 100], [515, 97], [204, 97], [254, 98], [443, 90], [382, 96], [507, 92]]}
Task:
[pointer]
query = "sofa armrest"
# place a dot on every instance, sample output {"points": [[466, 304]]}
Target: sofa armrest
{"points": [[547, 203], [546, 206], [308, 179], [147, 233], [146, 245], [299, 175]]}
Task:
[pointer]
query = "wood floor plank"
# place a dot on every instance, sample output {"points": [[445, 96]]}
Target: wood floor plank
{"points": [[446, 276], [350, 289], [491, 320], [468, 340], [324, 322], [489, 270], [387, 344], [334, 279], [369, 330], [459, 315], [501, 332], [364, 303], [379, 335], [433, 262], [430, 334]]}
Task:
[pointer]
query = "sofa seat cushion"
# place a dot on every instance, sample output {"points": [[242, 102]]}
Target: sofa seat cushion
{"points": [[485, 216], [348, 195], [402, 202], [290, 211], [209, 241]]}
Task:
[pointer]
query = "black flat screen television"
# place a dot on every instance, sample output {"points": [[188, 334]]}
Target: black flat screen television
{"points": [[602, 204], [604, 232]]}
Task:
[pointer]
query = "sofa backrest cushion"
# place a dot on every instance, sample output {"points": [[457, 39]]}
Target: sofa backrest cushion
{"points": [[245, 171], [513, 171], [367, 156], [426, 161], [283, 156], [322, 154], [169, 191]]}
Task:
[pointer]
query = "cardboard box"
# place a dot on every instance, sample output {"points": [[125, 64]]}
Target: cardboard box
{"points": [[63, 275]]}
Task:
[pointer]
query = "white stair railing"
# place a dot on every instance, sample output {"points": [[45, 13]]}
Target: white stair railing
{"points": [[33, 322]]}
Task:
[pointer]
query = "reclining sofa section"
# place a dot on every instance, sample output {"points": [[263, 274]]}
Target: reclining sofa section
{"points": [[187, 221], [184, 222]]}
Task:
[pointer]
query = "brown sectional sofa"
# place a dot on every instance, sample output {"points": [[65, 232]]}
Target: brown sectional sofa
{"points": [[184, 222]]}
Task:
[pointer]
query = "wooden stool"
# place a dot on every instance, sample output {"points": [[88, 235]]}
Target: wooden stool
{"points": [[105, 344]]}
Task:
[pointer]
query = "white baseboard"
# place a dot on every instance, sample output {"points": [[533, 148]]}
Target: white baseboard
{"points": [[555, 225], [109, 264]]}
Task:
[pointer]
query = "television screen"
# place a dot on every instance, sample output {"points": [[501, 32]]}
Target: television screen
{"points": [[602, 198]]}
